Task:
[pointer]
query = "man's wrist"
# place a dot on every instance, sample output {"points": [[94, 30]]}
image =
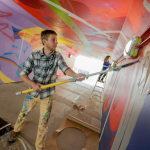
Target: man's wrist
{"points": [[75, 75], [31, 83]]}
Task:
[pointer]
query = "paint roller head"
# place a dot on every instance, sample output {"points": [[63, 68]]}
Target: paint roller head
{"points": [[18, 93], [130, 50]]}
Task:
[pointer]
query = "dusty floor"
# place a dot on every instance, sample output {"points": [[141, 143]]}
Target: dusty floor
{"points": [[64, 97]]}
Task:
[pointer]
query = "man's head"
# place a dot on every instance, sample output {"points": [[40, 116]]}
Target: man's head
{"points": [[49, 39]]}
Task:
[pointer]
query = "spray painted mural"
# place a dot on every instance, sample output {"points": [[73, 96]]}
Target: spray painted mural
{"points": [[125, 123], [13, 48], [92, 28], [17, 42], [84, 28], [18, 38]]}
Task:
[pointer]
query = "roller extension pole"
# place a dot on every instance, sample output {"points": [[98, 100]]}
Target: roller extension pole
{"points": [[117, 68], [43, 87]]}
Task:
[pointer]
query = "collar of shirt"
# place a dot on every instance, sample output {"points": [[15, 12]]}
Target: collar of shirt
{"points": [[42, 53]]}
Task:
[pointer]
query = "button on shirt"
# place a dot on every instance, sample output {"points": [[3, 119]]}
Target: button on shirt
{"points": [[45, 70]]}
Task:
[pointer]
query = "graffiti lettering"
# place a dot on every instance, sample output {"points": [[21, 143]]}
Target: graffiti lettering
{"points": [[4, 26], [25, 49], [15, 46], [11, 54], [10, 61], [5, 14], [34, 39]]}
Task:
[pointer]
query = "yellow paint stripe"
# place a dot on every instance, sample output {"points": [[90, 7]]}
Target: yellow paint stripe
{"points": [[5, 79]]}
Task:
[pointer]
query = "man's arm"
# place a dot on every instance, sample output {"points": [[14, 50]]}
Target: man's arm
{"points": [[27, 69], [71, 73], [66, 70]]}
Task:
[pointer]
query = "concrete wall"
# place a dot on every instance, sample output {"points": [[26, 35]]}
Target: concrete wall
{"points": [[125, 123]]}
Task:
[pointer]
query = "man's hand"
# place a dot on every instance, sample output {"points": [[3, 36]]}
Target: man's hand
{"points": [[80, 75], [71, 73], [36, 86]]}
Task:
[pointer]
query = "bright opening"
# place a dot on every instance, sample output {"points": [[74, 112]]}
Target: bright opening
{"points": [[87, 65]]}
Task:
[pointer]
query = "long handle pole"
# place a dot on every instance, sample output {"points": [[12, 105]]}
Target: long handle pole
{"points": [[75, 79], [43, 87], [66, 81]]}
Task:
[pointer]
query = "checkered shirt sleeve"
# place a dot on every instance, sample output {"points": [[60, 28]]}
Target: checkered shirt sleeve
{"points": [[62, 64], [28, 65]]}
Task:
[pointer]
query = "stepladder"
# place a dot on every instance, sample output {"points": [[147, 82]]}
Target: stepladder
{"points": [[98, 89]]}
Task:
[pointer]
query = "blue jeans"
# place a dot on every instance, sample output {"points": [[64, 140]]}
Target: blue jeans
{"points": [[102, 74]]}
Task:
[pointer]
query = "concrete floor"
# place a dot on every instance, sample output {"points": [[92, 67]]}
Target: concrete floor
{"points": [[65, 96]]}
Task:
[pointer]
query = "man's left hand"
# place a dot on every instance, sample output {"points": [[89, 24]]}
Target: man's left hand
{"points": [[80, 75]]}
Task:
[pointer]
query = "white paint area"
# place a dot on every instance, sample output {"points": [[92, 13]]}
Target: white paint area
{"points": [[144, 86], [146, 5], [90, 65], [117, 49], [100, 43], [119, 44]]}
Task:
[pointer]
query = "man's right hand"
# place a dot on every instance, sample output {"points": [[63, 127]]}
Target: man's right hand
{"points": [[36, 86]]}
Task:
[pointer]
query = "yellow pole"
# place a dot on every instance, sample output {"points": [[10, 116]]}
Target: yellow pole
{"points": [[43, 87]]}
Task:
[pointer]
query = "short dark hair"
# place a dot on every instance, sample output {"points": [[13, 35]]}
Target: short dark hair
{"points": [[45, 34]]}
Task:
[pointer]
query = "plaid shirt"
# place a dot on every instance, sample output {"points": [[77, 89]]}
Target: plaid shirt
{"points": [[45, 70]]}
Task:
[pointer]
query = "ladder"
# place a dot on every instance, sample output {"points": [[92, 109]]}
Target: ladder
{"points": [[101, 87]]}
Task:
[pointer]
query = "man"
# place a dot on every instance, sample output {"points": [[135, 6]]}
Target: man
{"points": [[44, 63]]}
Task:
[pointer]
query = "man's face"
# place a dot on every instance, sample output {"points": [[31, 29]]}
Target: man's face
{"points": [[51, 43]]}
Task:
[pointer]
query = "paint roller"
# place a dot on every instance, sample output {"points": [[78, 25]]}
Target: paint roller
{"points": [[131, 49], [133, 46], [116, 68]]}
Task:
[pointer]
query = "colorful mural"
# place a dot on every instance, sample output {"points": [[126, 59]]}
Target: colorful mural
{"points": [[19, 37], [90, 28], [83, 27], [126, 99], [16, 43], [95, 29]]}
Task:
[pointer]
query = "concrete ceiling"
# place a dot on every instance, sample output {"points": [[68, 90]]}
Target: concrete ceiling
{"points": [[86, 27]]}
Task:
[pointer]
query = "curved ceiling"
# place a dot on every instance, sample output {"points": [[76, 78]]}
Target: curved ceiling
{"points": [[86, 27]]}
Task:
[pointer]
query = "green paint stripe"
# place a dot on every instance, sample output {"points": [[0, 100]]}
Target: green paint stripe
{"points": [[64, 16]]}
